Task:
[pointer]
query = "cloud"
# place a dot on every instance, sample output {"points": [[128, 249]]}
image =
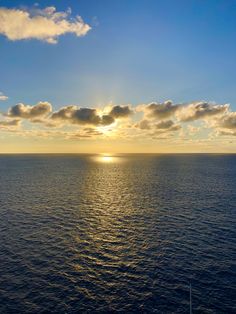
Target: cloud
{"points": [[85, 133], [160, 127], [165, 128], [90, 116], [120, 112], [167, 125], [73, 122], [10, 123], [228, 121], [3, 97], [200, 110], [227, 124], [42, 24], [143, 124], [159, 110], [82, 116], [227, 132], [41, 109], [183, 112]]}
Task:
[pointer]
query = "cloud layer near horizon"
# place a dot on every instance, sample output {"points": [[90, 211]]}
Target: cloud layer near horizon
{"points": [[157, 120], [42, 24]]}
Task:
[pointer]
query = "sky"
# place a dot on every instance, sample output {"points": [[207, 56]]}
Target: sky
{"points": [[102, 76]]}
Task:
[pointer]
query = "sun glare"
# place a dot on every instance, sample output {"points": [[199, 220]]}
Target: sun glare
{"points": [[106, 158]]}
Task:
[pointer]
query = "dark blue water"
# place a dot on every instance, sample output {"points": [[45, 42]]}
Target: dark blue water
{"points": [[123, 234]]}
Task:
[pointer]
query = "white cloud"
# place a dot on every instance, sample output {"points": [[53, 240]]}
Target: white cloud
{"points": [[3, 97], [46, 24]]}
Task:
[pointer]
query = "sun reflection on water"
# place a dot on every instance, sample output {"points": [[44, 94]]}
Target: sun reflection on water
{"points": [[106, 158]]}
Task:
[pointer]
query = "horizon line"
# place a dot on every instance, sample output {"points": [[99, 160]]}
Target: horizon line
{"points": [[61, 153]]}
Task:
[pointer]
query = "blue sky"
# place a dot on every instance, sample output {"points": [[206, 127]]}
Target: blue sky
{"points": [[137, 51], [131, 76]]}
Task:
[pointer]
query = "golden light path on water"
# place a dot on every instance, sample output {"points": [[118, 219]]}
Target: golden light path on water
{"points": [[106, 158], [113, 233]]}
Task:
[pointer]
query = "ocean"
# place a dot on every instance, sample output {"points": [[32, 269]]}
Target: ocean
{"points": [[122, 233]]}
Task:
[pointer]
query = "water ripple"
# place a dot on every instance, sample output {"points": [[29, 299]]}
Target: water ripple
{"points": [[127, 234]]}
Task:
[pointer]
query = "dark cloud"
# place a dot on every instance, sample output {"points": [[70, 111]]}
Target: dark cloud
{"points": [[228, 121], [63, 114], [162, 126], [227, 124], [200, 110], [85, 116], [82, 116], [41, 109], [154, 122], [106, 119], [120, 112], [184, 112], [167, 124], [160, 110]]}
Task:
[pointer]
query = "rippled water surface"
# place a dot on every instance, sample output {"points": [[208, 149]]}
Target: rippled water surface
{"points": [[81, 233]]}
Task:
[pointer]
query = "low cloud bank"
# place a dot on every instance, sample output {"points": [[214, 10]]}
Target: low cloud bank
{"points": [[150, 120]]}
